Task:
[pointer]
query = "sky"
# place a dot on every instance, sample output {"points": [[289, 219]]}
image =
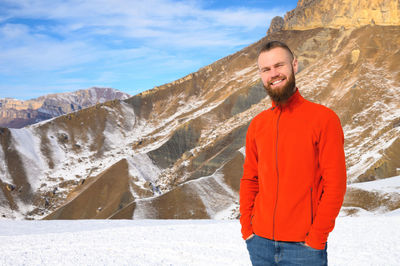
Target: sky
{"points": [[54, 46]]}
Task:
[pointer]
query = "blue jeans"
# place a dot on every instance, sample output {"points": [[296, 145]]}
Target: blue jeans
{"points": [[264, 251]]}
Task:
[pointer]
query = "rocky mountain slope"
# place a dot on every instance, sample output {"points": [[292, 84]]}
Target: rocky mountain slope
{"points": [[311, 14], [17, 113], [176, 151]]}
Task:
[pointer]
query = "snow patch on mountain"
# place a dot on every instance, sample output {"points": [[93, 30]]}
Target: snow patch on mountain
{"points": [[387, 185], [143, 210], [140, 165], [32, 161], [310, 81], [215, 194], [363, 158], [58, 155], [243, 150], [244, 73], [113, 137], [4, 172], [143, 171]]}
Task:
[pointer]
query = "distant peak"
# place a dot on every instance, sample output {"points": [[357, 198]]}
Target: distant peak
{"points": [[18, 113]]}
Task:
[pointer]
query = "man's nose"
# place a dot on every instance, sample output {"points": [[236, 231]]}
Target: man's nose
{"points": [[274, 73]]}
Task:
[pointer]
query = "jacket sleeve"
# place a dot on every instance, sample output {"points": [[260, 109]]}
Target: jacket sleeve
{"points": [[248, 184], [333, 170]]}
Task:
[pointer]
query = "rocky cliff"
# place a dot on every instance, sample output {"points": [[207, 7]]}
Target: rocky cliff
{"points": [[16, 113], [310, 14]]}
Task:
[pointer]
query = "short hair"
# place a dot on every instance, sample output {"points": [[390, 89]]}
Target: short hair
{"points": [[274, 44]]}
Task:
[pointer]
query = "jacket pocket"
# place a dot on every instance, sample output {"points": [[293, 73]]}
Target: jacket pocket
{"points": [[311, 205]]}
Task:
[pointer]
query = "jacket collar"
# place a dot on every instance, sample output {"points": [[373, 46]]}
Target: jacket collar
{"points": [[295, 99]]}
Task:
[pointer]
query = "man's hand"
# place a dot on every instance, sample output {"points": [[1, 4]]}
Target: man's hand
{"points": [[307, 245], [251, 236]]}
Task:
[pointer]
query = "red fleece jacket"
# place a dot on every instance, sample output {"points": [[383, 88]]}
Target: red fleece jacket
{"points": [[294, 177]]}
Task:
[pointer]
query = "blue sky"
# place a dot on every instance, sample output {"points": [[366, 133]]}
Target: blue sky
{"points": [[52, 46]]}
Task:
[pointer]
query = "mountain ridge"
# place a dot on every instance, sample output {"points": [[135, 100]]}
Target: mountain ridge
{"points": [[16, 113]]}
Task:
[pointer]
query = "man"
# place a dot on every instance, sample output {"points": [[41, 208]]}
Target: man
{"points": [[294, 176]]}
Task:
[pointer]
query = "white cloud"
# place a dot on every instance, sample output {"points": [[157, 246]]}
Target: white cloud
{"points": [[144, 19], [24, 50], [10, 32], [75, 26]]}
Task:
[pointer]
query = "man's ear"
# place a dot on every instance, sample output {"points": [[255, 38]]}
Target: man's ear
{"points": [[295, 65]]}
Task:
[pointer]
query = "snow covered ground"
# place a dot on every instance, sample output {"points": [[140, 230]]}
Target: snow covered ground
{"points": [[366, 240]]}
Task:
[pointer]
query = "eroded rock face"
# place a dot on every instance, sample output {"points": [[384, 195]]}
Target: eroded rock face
{"points": [[311, 14], [100, 198], [371, 200], [277, 24]]}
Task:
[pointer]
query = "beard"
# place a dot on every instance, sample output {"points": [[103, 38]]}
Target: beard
{"points": [[280, 95]]}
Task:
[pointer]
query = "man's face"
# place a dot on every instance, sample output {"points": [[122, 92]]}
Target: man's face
{"points": [[277, 69]]}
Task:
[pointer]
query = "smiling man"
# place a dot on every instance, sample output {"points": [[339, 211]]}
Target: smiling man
{"points": [[294, 176]]}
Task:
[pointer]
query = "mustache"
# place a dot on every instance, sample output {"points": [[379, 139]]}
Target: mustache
{"points": [[276, 79]]}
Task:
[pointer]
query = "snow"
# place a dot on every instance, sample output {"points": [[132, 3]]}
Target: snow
{"points": [[33, 162], [387, 185], [393, 213], [251, 70], [229, 213], [144, 170], [179, 242], [113, 138], [57, 154], [362, 153], [140, 165], [214, 193], [243, 150], [217, 198], [4, 172]]}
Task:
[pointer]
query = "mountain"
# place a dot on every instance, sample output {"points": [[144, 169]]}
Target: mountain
{"points": [[176, 151], [311, 14], [17, 114]]}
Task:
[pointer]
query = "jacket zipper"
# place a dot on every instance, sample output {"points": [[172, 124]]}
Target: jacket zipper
{"points": [[312, 211], [277, 173]]}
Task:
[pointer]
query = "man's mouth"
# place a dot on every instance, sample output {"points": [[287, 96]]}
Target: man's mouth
{"points": [[277, 81]]}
